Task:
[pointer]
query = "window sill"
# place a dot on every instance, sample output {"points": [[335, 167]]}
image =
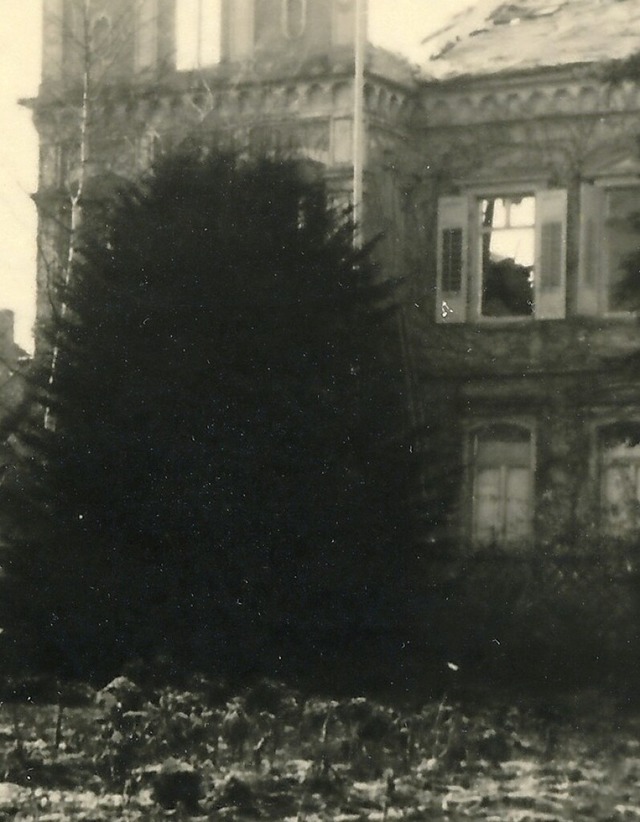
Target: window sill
{"points": [[499, 321], [620, 316]]}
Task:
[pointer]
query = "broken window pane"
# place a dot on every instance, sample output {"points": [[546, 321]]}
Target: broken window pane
{"points": [[522, 212], [508, 247]]}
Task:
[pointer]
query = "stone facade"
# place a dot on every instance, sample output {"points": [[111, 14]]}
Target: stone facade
{"points": [[551, 399], [523, 316]]}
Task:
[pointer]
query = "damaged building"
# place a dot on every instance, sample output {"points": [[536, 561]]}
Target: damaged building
{"points": [[502, 173]]}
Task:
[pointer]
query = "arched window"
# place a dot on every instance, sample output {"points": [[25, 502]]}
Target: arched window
{"points": [[619, 453], [502, 478], [294, 18]]}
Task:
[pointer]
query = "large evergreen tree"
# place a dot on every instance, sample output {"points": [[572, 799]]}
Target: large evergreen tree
{"points": [[227, 480]]}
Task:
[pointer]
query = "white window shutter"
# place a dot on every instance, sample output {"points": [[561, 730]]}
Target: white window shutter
{"points": [[453, 255], [147, 34], [590, 261], [551, 254]]}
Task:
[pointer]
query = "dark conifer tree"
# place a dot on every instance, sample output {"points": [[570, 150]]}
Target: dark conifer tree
{"points": [[227, 481]]}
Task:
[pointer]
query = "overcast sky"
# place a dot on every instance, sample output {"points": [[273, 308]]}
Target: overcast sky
{"points": [[396, 24]]}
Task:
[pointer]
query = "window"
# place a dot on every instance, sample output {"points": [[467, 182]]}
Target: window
{"points": [[507, 256], [294, 18], [343, 24], [609, 249], [198, 24], [146, 34], [101, 46], [240, 29], [342, 140], [620, 478], [502, 494], [621, 242], [502, 256]]}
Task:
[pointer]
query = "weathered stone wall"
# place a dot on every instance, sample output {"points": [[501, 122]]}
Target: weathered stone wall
{"points": [[564, 378]]}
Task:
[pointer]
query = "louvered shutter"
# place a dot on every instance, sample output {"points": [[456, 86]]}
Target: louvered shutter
{"points": [[551, 254], [147, 34], [590, 260], [451, 290]]}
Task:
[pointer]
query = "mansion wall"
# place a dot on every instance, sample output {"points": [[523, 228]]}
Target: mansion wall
{"points": [[533, 190]]}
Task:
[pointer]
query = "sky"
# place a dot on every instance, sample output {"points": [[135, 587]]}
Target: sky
{"points": [[395, 24]]}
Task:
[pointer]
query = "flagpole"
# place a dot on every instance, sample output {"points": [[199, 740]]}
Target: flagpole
{"points": [[200, 34], [360, 47]]}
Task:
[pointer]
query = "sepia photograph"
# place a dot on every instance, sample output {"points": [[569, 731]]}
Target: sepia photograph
{"points": [[320, 410]]}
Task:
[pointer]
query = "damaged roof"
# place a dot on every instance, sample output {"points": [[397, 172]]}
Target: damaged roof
{"points": [[494, 36]]}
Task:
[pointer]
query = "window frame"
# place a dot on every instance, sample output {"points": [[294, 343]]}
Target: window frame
{"points": [[199, 33], [285, 21], [593, 248], [472, 430], [343, 11], [598, 474], [468, 307], [147, 35], [102, 44], [477, 235]]}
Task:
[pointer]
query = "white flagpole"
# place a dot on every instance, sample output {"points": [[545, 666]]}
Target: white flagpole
{"points": [[360, 47], [199, 34]]}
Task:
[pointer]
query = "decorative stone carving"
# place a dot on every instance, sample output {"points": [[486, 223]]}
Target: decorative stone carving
{"points": [[343, 96], [460, 107], [588, 99]]}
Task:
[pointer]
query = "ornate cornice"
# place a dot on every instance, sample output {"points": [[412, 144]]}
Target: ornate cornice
{"points": [[461, 105], [192, 98], [389, 102]]}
